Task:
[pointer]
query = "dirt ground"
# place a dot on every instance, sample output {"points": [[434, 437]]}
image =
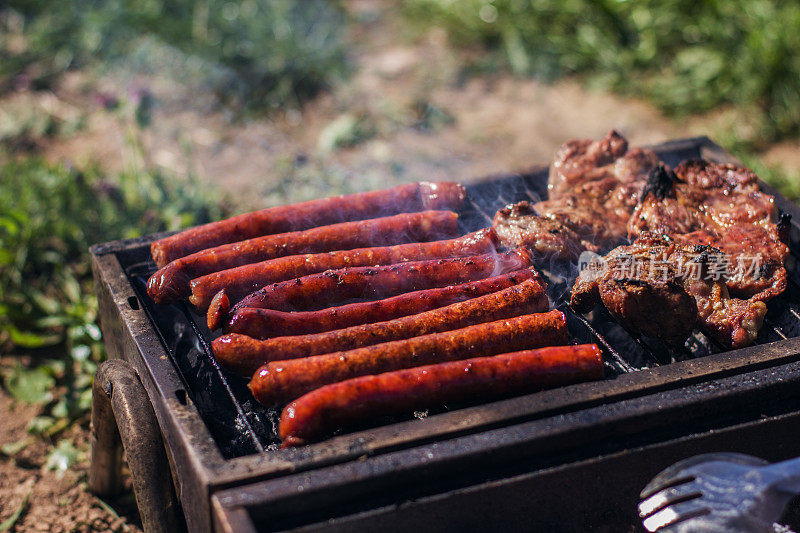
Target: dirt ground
{"points": [[52, 502], [480, 125], [486, 124]]}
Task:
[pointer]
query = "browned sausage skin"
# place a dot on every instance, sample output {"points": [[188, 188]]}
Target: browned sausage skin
{"points": [[402, 199], [336, 287], [244, 354], [266, 323], [324, 410], [217, 310], [282, 381], [171, 282], [240, 281]]}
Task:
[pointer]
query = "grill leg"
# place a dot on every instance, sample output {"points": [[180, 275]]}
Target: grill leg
{"points": [[122, 417]]}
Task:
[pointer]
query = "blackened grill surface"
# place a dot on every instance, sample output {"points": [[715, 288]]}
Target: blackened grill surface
{"points": [[242, 427]]}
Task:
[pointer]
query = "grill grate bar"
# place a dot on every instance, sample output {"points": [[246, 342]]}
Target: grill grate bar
{"points": [[481, 212], [651, 357], [617, 360], [775, 328], [708, 342], [532, 195], [716, 344], [207, 352]]}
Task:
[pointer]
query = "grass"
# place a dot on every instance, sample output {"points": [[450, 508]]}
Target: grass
{"points": [[686, 57], [49, 216], [258, 54], [787, 183], [254, 55]]}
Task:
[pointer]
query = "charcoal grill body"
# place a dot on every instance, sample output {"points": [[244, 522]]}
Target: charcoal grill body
{"points": [[568, 458]]}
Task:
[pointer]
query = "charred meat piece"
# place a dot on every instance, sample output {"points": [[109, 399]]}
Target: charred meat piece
{"points": [[637, 285], [597, 211], [594, 187], [719, 206], [700, 194], [755, 257], [663, 289], [519, 225], [583, 161]]}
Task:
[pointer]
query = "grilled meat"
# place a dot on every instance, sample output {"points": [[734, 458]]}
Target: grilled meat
{"points": [[594, 188], [322, 411], [634, 299], [519, 225], [582, 160], [409, 198], [720, 206], [662, 288], [702, 217]]}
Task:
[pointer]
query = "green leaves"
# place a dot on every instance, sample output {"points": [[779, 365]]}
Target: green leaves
{"points": [[28, 339], [685, 56], [49, 216], [64, 455], [345, 131], [34, 386], [261, 54]]}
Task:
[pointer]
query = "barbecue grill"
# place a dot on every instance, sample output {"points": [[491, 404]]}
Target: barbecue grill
{"points": [[569, 458]]}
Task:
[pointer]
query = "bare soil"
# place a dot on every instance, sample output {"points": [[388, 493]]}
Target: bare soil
{"points": [[55, 502], [495, 123]]}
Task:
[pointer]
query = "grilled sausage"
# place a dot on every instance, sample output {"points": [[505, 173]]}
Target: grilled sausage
{"points": [[266, 323], [240, 281], [171, 282], [282, 381], [335, 287], [403, 199], [218, 310], [244, 354], [331, 407]]}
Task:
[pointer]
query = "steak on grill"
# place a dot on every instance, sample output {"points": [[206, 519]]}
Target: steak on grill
{"points": [[719, 206], [662, 288], [594, 188]]}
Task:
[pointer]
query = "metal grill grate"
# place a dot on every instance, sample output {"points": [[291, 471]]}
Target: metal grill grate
{"points": [[241, 426]]}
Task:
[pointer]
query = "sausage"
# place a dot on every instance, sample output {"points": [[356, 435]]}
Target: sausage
{"points": [[245, 354], [265, 323], [408, 198], [282, 381], [322, 411], [335, 287], [360, 206], [240, 281], [218, 310], [171, 282]]}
